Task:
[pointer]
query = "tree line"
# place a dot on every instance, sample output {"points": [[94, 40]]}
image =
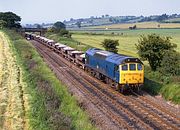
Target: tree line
{"points": [[9, 20]]}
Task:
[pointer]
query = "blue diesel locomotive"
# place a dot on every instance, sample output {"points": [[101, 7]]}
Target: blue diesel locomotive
{"points": [[120, 71]]}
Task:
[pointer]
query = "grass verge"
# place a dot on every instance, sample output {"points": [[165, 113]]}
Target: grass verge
{"points": [[52, 107], [157, 83]]}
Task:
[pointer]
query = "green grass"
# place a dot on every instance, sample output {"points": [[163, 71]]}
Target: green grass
{"points": [[171, 92], [173, 20], [52, 107], [127, 44], [127, 38]]}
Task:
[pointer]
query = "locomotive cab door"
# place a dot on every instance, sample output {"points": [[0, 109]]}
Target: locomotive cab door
{"points": [[116, 73]]}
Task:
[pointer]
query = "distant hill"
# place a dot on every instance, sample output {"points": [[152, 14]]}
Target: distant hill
{"points": [[109, 20]]}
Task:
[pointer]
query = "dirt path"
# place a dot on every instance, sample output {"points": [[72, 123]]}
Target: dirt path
{"points": [[13, 100]]}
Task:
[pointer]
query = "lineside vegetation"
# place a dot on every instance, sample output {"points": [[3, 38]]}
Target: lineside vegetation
{"points": [[52, 107], [14, 96]]}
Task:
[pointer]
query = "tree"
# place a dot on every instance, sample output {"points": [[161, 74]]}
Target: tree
{"points": [[65, 33], [38, 26], [110, 45], [78, 24], [162, 17], [170, 63], [152, 48], [59, 25], [2, 24], [12, 20]]}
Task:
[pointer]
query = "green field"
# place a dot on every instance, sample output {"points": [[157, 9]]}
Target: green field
{"points": [[139, 25], [173, 20], [127, 38]]}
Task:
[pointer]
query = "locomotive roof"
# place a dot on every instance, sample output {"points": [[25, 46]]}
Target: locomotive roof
{"points": [[111, 57]]}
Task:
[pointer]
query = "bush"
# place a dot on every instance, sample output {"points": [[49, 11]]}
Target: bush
{"points": [[64, 33], [170, 64], [171, 92], [110, 45]]}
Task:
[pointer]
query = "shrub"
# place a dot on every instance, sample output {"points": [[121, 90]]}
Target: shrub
{"points": [[64, 33], [171, 92], [170, 64], [110, 45]]}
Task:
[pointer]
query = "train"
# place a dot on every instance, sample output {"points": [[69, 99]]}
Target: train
{"points": [[119, 71]]}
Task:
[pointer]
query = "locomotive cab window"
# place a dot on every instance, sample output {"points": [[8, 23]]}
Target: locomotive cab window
{"points": [[132, 66], [139, 66], [125, 67]]}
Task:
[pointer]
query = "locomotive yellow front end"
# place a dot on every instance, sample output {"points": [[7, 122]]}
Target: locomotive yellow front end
{"points": [[132, 74]]}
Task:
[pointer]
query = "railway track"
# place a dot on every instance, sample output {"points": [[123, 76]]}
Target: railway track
{"points": [[154, 118], [161, 105], [151, 106], [124, 111], [63, 69]]}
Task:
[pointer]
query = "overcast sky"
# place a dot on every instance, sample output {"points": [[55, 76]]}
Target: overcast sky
{"points": [[38, 11]]}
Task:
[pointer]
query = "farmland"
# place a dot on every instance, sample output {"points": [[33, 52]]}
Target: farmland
{"points": [[141, 25], [127, 38]]}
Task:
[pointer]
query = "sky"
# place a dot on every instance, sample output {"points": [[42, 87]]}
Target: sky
{"points": [[46, 11]]}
